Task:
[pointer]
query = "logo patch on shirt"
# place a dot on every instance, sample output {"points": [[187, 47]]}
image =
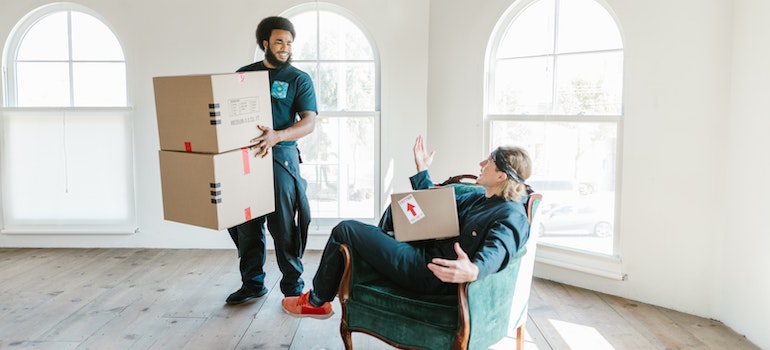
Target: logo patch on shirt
{"points": [[279, 89]]}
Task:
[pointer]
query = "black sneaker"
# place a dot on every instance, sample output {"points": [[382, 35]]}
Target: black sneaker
{"points": [[245, 294]]}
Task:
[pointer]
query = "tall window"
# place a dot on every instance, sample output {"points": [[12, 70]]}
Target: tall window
{"points": [[341, 158], [555, 87], [67, 157]]}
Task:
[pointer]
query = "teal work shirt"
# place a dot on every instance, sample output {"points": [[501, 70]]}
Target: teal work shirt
{"points": [[291, 92]]}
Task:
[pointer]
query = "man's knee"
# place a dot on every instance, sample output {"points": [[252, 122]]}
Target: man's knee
{"points": [[347, 225], [344, 229]]}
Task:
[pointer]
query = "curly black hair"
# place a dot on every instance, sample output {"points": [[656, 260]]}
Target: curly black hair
{"points": [[266, 26]]}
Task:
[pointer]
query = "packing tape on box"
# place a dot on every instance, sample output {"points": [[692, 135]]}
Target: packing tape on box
{"points": [[246, 162]]}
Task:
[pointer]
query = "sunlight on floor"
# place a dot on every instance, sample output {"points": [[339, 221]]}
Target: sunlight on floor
{"points": [[509, 342], [580, 337]]}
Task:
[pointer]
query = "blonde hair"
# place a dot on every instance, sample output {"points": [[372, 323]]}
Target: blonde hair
{"points": [[519, 160]]}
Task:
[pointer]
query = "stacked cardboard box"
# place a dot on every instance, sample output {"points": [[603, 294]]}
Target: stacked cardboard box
{"points": [[209, 176]]}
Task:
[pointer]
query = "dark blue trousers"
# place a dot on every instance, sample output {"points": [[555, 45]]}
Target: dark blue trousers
{"points": [[249, 237], [403, 263]]}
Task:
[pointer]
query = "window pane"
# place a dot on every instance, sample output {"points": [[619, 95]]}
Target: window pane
{"points": [[574, 161], [305, 45], [57, 172], [58, 175], [92, 40], [46, 40], [342, 40], [339, 156], [584, 25], [338, 164], [531, 33], [522, 86], [574, 169], [590, 84], [99, 84], [311, 69], [346, 86], [42, 84]]}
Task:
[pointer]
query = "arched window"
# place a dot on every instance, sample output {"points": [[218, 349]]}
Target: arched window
{"points": [[67, 160], [341, 158], [555, 87], [66, 58]]}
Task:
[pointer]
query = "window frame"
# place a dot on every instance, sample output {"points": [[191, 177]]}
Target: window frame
{"points": [[10, 79], [324, 225], [604, 265], [10, 109]]}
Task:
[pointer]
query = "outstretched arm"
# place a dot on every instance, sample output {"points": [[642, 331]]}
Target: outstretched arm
{"points": [[422, 159]]}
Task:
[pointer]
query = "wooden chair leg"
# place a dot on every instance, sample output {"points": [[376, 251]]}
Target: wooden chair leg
{"points": [[343, 295], [347, 339], [520, 337]]}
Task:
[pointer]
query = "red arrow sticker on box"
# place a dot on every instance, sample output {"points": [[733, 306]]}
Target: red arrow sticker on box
{"points": [[411, 209]]}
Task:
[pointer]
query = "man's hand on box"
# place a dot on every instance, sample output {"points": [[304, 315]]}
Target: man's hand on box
{"points": [[265, 142]]}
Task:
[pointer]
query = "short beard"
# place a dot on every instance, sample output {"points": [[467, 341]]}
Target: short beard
{"points": [[274, 61]]}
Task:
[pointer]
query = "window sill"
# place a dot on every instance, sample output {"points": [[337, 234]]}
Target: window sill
{"points": [[591, 263], [74, 230]]}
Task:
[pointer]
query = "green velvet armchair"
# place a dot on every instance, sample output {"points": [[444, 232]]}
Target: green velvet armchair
{"points": [[476, 318]]}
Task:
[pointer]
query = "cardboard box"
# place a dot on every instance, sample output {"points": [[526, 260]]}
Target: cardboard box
{"points": [[425, 214], [216, 191], [211, 113]]}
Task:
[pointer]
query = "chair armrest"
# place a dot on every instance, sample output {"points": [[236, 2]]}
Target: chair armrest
{"points": [[344, 290], [464, 178], [489, 301], [463, 316], [356, 271]]}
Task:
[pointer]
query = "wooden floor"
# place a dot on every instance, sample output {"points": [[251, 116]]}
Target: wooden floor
{"points": [[174, 299]]}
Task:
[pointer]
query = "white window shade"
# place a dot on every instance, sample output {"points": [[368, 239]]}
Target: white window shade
{"points": [[67, 170], [67, 150]]}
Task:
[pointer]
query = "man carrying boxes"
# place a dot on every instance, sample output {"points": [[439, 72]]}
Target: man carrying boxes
{"points": [[292, 95], [293, 110]]}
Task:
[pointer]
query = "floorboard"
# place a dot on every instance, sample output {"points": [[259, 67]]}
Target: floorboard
{"points": [[174, 299]]}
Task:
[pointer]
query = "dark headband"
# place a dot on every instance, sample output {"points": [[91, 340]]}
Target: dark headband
{"points": [[502, 165]]}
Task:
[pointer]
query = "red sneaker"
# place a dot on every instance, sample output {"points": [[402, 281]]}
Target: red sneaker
{"points": [[300, 307]]}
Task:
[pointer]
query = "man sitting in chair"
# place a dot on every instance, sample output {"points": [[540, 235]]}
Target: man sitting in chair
{"points": [[493, 227]]}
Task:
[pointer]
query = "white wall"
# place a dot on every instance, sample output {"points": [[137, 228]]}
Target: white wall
{"points": [[176, 37], [742, 279], [695, 128], [459, 35], [679, 239]]}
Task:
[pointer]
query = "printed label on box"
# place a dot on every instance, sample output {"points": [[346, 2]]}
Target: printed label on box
{"points": [[243, 110], [411, 209]]}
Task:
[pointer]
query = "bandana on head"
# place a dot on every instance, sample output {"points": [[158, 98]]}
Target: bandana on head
{"points": [[502, 165]]}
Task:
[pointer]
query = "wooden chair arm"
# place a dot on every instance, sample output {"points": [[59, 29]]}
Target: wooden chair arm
{"points": [[463, 318], [458, 179], [344, 291]]}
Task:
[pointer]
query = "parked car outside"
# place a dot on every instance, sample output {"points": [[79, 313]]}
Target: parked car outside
{"points": [[572, 219]]}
